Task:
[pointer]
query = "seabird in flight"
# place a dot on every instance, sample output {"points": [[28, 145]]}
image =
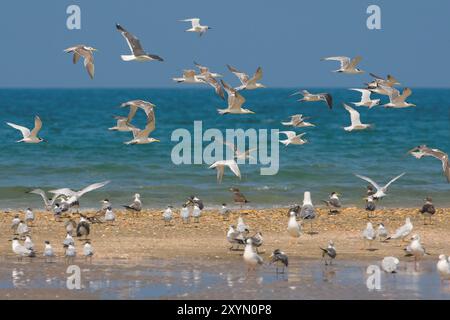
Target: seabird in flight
{"points": [[247, 82], [122, 125], [235, 101], [381, 191], [73, 197], [355, 119], [29, 136], [314, 97], [293, 138], [138, 53], [220, 167], [196, 26], [423, 151], [298, 121], [347, 65], [142, 136], [49, 203], [365, 99], [397, 100], [87, 53]]}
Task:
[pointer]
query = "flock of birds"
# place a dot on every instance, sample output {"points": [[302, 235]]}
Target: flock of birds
{"points": [[65, 200]]}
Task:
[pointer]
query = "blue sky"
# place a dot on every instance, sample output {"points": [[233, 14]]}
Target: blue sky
{"points": [[286, 37]]}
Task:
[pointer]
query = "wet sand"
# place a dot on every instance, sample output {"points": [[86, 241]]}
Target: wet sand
{"points": [[128, 250]]}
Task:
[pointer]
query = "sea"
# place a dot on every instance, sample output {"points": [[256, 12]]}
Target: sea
{"points": [[80, 150]]}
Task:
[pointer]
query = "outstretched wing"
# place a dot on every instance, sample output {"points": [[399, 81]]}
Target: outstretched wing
{"points": [[37, 126], [42, 194], [369, 181], [25, 131], [92, 187], [241, 75], [354, 115], [390, 182], [133, 41]]}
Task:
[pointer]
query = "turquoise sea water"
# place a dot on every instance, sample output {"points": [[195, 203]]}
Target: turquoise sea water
{"points": [[80, 150]]}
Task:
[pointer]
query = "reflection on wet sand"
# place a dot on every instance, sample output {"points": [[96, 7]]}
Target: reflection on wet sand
{"points": [[308, 279]]}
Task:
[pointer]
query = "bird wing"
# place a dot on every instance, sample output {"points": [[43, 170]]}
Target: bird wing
{"points": [[257, 76], [133, 41], [365, 94], [202, 69], [37, 126], [345, 61], [194, 21], [289, 134], [355, 61], [25, 131], [188, 74], [354, 115], [406, 93], [64, 191], [42, 194], [92, 187], [241, 75], [233, 167], [215, 84], [237, 102], [390, 182], [328, 99], [369, 181], [150, 126]]}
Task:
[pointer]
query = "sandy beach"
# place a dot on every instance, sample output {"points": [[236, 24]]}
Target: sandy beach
{"points": [[146, 236]]}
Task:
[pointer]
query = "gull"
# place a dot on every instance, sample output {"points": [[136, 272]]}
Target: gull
{"points": [[397, 100], [83, 228], [136, 205], [168, 215], [329, 253], [27, 135], [382, 233], [293, 138], [220, 167], [314, 97], [196, 26], [68, 240], [423, 151], [29, 216], [138, 53], [189, 76], [21, 251], [48, 251], [88, 251], [390, 264], [365, 99], [415, 248], [235, 237], [69, 253], [196, 213], [109, 215], [355, 120], [238, 197], [134, 105], [48, 202], [333, 203], [428, 209], [347, 65], [247, 82], [205, 70], [224, 212], [235, 101], [73, 197], [369, 234], [122, 125], [142, 136], [184, 213], [294, 228], [443, 267], [279, 257], [308, 212], [298, 121], [403, 231], [381, 191], [370, 205], [251, 258], [88, 55]]}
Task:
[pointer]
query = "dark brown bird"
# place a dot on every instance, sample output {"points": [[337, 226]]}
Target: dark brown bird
{"points": [[427, 209], [238, 197]]}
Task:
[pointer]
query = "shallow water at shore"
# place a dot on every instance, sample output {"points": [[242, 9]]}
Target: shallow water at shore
{"points": [[174, 279]]}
